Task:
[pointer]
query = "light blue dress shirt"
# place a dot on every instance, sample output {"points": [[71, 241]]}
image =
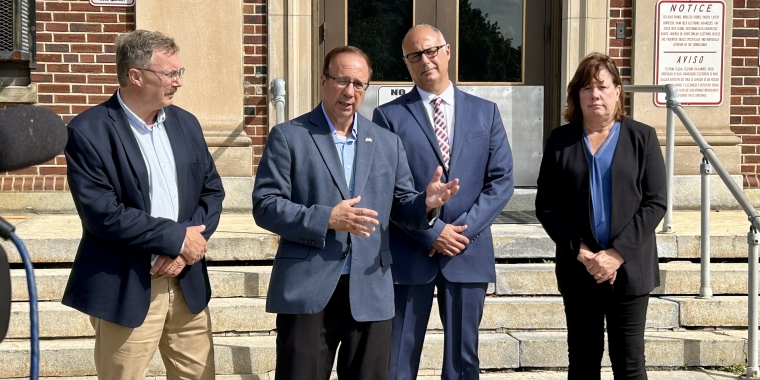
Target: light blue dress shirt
{"points": [[159, 159], [346, 146], [600, 176]]}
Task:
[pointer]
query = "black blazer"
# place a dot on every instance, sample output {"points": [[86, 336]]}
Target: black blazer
{"points": [[563, 205], [110, 277]]}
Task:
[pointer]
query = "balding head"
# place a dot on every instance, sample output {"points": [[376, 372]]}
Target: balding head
{"points": [[426, 56]]}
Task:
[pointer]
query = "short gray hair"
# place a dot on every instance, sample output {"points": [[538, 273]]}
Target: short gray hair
{"points": [[440, 34], [134, 50]]}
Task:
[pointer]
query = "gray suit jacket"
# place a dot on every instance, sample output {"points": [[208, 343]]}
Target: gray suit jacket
{"points": [[299, 180]]}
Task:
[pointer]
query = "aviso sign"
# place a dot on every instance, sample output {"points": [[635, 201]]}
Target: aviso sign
{"points": [[690, 50]]}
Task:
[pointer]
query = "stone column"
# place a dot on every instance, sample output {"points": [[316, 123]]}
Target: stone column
{"points": [[210, 36], [291, 49], [585, 30], [713, 122]]}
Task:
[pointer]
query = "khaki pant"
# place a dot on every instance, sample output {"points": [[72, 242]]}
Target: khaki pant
{"points": [[184, 339]]}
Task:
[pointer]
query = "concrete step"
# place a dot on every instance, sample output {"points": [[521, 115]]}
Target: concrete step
{"points": [[677, 278], [246, 315], [606, 375], [698, 374], [524, 350], [237, 281], [719, 311], [54, 239], [662, 349], [233, 355]]}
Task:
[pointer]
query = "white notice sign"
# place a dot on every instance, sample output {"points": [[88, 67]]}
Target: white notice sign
{"points": [[690, 50], [387, 93], [112, 3]]}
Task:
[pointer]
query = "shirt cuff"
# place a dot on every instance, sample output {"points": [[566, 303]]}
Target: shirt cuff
{"points": [[182, 248], [433, 216]]}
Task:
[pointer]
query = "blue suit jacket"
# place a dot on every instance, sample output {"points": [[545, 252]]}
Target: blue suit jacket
{"points": [[480, 158], [299, 181], [110, 277]]}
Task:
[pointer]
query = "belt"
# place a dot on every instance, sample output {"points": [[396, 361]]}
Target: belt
{"points": [[343, 280]]}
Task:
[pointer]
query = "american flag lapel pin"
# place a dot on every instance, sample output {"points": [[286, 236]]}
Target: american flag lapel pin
{"points": [[368, 139]]}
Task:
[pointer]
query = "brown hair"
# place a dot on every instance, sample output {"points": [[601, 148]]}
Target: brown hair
{"points": [[135, 49], [589, 69], [345, 50]]}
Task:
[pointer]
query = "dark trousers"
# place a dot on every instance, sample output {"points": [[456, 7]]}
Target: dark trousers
{"points": [[626, 320], [307, 343], [460, 307]]}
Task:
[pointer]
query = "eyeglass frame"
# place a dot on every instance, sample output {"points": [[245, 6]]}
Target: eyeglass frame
{"points": [[363, 87], [419, 53], [173, 75]]}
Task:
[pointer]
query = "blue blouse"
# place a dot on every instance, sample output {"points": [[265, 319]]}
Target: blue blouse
{"points": [[600, 178]]}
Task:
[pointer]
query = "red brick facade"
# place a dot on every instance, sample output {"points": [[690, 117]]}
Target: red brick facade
{"points": [[745, 98], [76, 69], [620, 49]]}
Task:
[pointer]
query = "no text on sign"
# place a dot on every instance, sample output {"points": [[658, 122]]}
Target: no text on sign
{"points": [[112, 3], [690, 51]]}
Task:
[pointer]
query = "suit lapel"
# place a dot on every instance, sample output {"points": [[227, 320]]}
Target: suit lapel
{"points": [[132, 150], [417, 109], [621, 165], [323, 139], [177, 141], [461, 114], [365, 149]]}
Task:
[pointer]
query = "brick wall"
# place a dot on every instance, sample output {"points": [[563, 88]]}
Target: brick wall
{"points": [[620, 49], [76, 69], [255, 75], [745, 98]]}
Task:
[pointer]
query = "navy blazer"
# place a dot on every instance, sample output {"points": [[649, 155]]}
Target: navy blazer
{"points": [[299, 181], [563, 205], [110, 277], [482, 160]]}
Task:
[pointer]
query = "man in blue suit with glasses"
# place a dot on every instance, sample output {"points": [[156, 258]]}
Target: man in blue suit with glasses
{"points": [[440, 125], [328, 183]]}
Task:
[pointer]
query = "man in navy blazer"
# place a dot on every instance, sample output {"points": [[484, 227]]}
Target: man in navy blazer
{"points": [[441, 125], [148, 194], [327, 184]]}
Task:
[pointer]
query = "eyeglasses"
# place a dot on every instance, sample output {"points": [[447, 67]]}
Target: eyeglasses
{"points": [[429, 52], [343, 83], [173, 76]]}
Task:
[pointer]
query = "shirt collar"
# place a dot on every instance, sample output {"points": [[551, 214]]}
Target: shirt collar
{"points": [[135, 121], [332, 127], [447, 95]]}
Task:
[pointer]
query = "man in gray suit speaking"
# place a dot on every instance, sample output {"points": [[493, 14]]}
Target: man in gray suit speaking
{"points": [[327, 184]]}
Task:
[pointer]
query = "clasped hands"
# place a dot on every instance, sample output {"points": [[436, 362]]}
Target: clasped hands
{"points": [[362, 221], [193, 250], [603, 265]]}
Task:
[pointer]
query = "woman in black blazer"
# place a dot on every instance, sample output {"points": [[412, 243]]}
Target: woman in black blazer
{"points": [[601, 194]]}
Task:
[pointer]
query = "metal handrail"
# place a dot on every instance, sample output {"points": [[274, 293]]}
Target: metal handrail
{"points": [[710, 161], [278, 90]]}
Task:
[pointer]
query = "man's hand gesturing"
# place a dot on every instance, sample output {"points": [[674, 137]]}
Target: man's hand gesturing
{"points": [[358, 221], [437, 193]]}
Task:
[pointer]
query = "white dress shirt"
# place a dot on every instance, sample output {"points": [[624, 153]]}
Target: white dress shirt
{"points": [[447, 105]]}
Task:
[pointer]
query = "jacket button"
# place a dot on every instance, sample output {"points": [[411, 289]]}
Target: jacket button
{"points": [[345, 255]]}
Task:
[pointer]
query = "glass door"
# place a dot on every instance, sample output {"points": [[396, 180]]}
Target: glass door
{"points": [[499, 50]]}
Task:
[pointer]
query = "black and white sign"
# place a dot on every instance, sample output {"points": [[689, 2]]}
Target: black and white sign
{"points": [[387, 93], [690, 50]]}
